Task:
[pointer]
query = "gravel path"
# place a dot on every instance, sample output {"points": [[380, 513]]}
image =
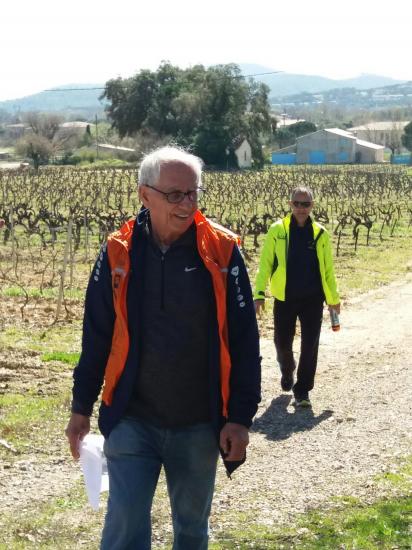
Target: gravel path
{"points": [[360, 423]]}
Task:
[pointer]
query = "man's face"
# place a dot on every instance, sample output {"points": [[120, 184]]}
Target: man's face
{"points": [[301, 206], [170, 221]]}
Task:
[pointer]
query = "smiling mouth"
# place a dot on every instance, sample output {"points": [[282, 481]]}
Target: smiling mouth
{"points": [[184, 216]]}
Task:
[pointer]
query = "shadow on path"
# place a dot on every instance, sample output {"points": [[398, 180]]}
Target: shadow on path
{"points": [[278, 423]]}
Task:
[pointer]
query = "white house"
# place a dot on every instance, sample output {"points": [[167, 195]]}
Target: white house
{"points": [[243, 152]]}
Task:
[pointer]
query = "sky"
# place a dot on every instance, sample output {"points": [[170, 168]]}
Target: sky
{"points": [[48, 43]]}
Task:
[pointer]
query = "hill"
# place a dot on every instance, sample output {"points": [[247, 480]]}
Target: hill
{"points": [[284, 84], [395, 95], [84, 101]]}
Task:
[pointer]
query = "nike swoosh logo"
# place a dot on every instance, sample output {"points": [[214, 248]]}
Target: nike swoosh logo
{"points": [[187, 269]]}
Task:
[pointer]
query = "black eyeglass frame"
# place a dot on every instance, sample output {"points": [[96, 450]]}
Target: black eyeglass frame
{"points": [[193, 194], [302, 204]]}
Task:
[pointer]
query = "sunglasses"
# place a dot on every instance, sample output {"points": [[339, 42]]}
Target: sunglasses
{"points": [[302, 204]]}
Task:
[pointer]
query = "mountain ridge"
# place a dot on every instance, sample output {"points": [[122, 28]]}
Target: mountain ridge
{"points": [[284, 84], [83, 100]]}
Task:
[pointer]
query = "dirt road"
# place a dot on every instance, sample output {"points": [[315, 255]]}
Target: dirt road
{"points": [[360, 423]]}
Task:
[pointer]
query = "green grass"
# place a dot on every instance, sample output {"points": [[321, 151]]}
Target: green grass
{"points": [[70, 358], [385, 524], [104, 163], [54, 525], [22, 416], [400, 477], [382, 525], [47, 293], [373, 266], [65, 338]]}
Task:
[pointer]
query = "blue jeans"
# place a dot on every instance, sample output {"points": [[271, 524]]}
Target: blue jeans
{"points": [[135, 452]]}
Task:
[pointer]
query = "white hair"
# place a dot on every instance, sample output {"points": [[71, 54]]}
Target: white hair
{"points": [[149, 171]]}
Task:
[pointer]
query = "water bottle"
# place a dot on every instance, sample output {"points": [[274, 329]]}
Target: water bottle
{"points": [[334, 320]]}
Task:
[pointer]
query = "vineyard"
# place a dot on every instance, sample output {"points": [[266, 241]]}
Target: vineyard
{"points": [[57, 218]]}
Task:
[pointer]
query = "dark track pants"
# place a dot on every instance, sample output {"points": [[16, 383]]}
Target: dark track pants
{"points": [[309, 311]]}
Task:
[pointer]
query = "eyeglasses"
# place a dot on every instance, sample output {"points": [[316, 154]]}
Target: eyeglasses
{"points": [[302, 204], [174, 197]]}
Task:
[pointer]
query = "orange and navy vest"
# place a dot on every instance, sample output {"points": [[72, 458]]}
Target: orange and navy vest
{"points": [[215, 245]]}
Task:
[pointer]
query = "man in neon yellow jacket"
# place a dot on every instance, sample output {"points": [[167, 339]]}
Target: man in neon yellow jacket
{"points": [[297, 261]]}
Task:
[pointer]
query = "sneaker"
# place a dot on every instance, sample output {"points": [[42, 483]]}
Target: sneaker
{"points": [[302, 400], [287, 381]]}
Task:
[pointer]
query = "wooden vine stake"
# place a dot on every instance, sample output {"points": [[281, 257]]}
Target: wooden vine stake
{"points": [[64, 268], [13, 242]]}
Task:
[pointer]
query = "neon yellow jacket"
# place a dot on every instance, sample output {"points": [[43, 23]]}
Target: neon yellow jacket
{"points": [[273, 262]]}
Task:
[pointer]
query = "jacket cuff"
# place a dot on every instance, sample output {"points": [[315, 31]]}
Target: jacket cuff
{"points": [[241, 421], [78, 408], [259, 295]]}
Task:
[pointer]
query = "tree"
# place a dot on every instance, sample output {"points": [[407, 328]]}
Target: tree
{"points": [[36, 147], [301, 128], [205, 109], [47, 127], [394, 137], [284, 137], [258, 118], [43, 124], [143, 101], [287, 135], [224, 100], [407, 137]]}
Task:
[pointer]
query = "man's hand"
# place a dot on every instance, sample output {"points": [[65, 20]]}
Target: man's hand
{"points": [[234, 438], [259, 306], [335, 308], [77, 428]]}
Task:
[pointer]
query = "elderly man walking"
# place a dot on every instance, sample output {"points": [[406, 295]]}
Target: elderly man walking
{"points": [[170, 330]]}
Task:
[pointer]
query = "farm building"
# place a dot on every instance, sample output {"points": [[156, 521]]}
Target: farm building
{"points": [[387, 133], [16, 131], [329, 146], [75, 127]]}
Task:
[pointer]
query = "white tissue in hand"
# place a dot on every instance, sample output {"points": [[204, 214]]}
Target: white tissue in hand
{"points": [[94, 467]]}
